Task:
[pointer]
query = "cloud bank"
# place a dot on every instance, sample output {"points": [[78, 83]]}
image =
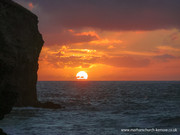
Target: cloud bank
{"points": [[109, 14]]}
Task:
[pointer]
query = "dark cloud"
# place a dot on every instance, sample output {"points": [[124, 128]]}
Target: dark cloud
{"points": [[109, 14], [127, 61], [164, 57], [66, 37]]}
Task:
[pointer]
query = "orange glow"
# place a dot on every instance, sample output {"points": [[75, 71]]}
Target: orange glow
{"points": [[31, 6], [82, 75], [109, 42], [106, 41], [151, 55]]}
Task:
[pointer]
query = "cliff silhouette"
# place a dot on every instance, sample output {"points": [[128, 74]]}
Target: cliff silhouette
{"points": [[20, 46]]}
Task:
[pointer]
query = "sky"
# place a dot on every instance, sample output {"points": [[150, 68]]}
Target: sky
{"points": [[111, 40]]}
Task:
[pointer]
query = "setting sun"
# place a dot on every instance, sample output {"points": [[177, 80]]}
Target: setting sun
{"points": [[82, 75]]}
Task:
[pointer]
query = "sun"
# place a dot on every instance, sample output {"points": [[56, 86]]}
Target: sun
{"points": [[82, 75]]}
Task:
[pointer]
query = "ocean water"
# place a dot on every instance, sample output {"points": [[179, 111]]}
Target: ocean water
{"points": [[100, 108]]}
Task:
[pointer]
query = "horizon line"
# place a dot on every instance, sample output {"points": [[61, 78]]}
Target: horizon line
{"points": [[108, 80]]}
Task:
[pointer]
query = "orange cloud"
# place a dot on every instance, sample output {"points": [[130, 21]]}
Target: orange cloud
{"points": [[31, 6], [168, 48], [67, 57], [111, 47], [105, 41]]}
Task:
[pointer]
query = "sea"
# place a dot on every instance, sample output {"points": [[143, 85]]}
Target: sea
{"points": [[100, 108]]}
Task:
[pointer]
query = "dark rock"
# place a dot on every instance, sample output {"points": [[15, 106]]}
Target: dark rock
{"points": [[49, 105], [20, 46], [7, 99], [20, 43]]}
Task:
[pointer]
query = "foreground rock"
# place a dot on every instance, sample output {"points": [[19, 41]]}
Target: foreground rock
{"points": [[20, 46], [20, 43], [49, 105], [7, 100]]}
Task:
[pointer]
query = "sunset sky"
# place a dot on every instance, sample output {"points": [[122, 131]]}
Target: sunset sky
{"points": [[109, 39]]}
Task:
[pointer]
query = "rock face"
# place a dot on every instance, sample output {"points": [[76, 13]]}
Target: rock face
{"points": [[20, 46]]}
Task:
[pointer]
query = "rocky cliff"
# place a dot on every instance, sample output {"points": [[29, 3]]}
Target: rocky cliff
{"points": [[20, 46]]}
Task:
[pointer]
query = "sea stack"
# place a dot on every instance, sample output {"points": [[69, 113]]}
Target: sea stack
{"points": [[20, 46]]}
